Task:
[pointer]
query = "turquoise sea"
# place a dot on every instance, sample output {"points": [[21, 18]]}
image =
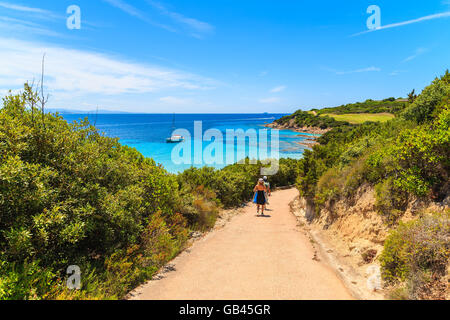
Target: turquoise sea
{"points": [[148, 132]]}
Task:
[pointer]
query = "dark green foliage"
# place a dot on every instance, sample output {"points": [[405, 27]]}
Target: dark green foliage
{"points": [[400, 157], [412, 96], [234, 184], [405, 158], [71, 196], [390, 105], [321, 119], [391, 200], [424, 155], [307, 119], [430, 101]]}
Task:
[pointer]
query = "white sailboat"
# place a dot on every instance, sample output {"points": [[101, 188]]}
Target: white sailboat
{"points": [[174, 138]]}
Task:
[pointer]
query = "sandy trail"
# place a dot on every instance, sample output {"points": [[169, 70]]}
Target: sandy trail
{"points": [[254, 258]]}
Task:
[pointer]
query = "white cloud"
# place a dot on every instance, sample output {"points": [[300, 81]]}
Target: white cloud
{"points": [[4, 92], [17, 26], [10, 20], [417, 53], [369, 69], [175, 101], [404, 23], [127, 8], [39, 13], [270, 100], [72, 73], [395, 73], [196, 25], [132, 11], [278, 89], [23, 8]]}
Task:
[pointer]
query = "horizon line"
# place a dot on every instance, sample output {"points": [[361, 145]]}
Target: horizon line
{"points": [[162, 113]]}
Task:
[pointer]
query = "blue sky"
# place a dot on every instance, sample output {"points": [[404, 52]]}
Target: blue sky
{"points": [[222, 56]]}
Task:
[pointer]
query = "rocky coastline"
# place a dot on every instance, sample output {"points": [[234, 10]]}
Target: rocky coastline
{"points": [[291, 125], [310, 141]]}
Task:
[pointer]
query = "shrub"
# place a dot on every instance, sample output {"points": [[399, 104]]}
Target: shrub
{"points": [[390, 105], [391, 201], [424, 153], [25, 281], [306, 119], [401, 158], [201, 207], [416, 251], [71, 196], [424, 107], [329, 186], [233, 185]]}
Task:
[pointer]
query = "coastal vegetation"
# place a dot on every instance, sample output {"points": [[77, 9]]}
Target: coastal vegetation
{"points": [[353, 113], [406, 155], [71, 196], [389, 105], [345, 115], [417, 254], [303, 119], [405, 159]]}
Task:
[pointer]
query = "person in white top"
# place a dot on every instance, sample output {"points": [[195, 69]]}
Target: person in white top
{"points": [[268, 192]]}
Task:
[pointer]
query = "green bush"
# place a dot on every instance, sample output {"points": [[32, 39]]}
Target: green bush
{"points": [[25, 281], [233, 185], [424, 155], [429, 101], [390, 105], [329, 186], [415, 251], [391, 201], [200, 206], [71, 196], [400, 157], [307, 119]]}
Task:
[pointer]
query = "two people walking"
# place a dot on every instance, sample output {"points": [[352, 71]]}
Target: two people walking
{"points": [[262, 194]]}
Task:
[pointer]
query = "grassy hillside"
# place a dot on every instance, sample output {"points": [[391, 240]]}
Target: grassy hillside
{"points": [[359, 118], [350, 114]]}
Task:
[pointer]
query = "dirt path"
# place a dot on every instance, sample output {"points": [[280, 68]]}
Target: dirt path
{"points": [[255, 258]]}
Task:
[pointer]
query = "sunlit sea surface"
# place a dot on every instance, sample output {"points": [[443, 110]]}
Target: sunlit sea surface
{"points": [[148, 133]]}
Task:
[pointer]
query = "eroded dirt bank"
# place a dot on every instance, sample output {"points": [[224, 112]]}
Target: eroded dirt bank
{"points": [[349, 234]]}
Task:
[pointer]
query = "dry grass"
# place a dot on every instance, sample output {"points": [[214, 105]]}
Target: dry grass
{"points": [[358, 118]]}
